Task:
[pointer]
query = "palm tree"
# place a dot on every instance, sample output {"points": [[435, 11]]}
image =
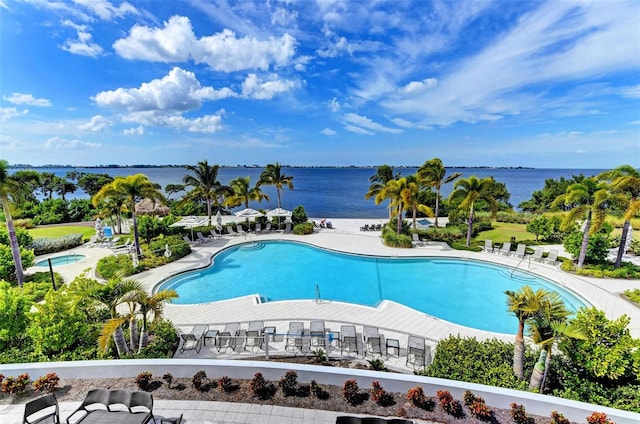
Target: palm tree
{"points": [[272, 175], [10, 190], [468, 192], [524, 304], [133, 188], [432, 173], [392, 190], [412, 200], [625, 179], [205, 185], [589, 201], [383, 175], [152, 304], [242, 194]]}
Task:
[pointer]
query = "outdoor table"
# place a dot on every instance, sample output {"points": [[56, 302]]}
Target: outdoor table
{"points": [[211, 334], [393, 344]]}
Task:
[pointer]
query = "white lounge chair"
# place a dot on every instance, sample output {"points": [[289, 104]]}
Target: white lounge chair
{"points": [[296, 331], [258, 227], [552, 259], [215, 234], [317, 332], [254, 337], [202, 238], [372, 341], [231, 231], [415, 240], [488, 246], [505, 249], [194, 338], [416, 351], [268, 227], [521, 250], [227, 338], [537, 254], [287, 228], [349, 339], [241, 230]]}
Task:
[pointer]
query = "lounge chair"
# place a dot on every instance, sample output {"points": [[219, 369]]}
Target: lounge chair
{"points": [[258, 227], [227, 338], [537, 254], [255, 335], [41, 409], [415, 239], [268, 227], [215, 234], [231, 231], [372, 341], [349, 341], [194, 339], [505, 249], [296, 331], [416, 351], [202, 238], [317, 332], [241, 230], [123, 248], [552, 259], [287, 228], [488, 246], [521, 250], [189, 242]]}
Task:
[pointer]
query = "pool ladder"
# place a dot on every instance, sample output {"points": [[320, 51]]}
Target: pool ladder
{"points": [[317, 293]]}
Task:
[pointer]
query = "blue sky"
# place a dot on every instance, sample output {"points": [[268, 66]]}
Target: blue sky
{"points": [[328, 82]]}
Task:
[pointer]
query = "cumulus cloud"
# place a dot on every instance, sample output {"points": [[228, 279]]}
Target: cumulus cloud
{"points": [[134, 131], [83, 45], [365, 123], [97, 123], [255, 88], [26, 99], [7, 113], [328, 131], [203, 124], [59, 143], [176, 42], [418, 86]]}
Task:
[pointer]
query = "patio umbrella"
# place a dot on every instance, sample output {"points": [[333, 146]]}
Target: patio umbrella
{"points": [[248, 213], [279, 212], [151, 207], [219, 219], [191, 222], [98, 227]]}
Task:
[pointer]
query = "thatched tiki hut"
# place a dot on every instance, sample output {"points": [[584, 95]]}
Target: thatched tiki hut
{"points": [[150, 207]]}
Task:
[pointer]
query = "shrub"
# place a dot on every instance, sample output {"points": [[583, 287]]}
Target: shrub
{"points": [[350, 392], [599, 418], [477, 406], [289, 383], [449, 404], [15, 385], [8, 267], [261, 388], [143, 380], [597, 247], [199, 381], [46, 383], [377, 364], [304, 228], [380, 395], [558, 418], [317, 391], [177, 246], [225, 384], [111, 266], [168, 378], [42, 246], [416, 396], [392, 239], [299, 216], [518, 414]]}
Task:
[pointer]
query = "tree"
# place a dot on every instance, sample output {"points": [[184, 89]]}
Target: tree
{"points": [[540, 226], [205, 185], [524, 304], [467, 192], [624, 179], [133, 188], [152, 305], [587, 200], [242, 194], [14, 308], [11, 191], [62, 187], [432, 173], [173, 189], [92, 183], [383, 175], [411, 198], [392, 191], [273, 175]]}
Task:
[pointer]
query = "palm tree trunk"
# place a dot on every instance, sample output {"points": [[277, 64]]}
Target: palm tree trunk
{"points": [[585, 241], [134, 220], [209, 212], [518, 352], [144, 339], [547, 366], [279, 197], [13, 241], [121, 343], [538, 372], [469, 225], [119, 223], [414, 219], [623, 242], [437, 205], [133, 333]]}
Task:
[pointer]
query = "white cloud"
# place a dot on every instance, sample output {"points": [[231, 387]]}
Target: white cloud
{"points": [[357, 130], [7, 113], [83, 45], [366, 123], [134, 131], [26, 99], [283, 17], [107, 11], [255, 88], [223, 51], [203, 124], [334, 105], [418, 86], [631, 91], [328, 131], [97, 123], [59, 143]]}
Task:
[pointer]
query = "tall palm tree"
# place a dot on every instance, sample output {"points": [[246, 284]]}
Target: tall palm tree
{"points": [[11, 191], [524, 304], [412, 200], [588, 200], [432, 173], [154, 305], [242, 194], [272, 175], [205, 185], [625, 179], [468, 192], [133, 188], [392, 191], [383, 175]]}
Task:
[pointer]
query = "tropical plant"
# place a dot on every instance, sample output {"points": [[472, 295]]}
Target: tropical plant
{"points": [[625, 179], [392, 190], [205, 186], [273, 175], [383, 175], [467, 192], [588, 200], [242, 194], [412, 200], [524, 304], [133, 188], [151, 305], [432, 173], [14, 308], [11, 191]]}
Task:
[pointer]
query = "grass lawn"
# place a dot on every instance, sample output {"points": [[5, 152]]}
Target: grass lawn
{"points": [[53, 232], [503, 231]]}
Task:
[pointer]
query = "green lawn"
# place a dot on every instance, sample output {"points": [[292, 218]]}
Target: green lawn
{"points": [[503, 231], [53, 232]]}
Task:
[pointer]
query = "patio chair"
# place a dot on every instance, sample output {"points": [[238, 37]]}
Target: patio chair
{"points": [[372, 341], [349, 341], [254, 336], [194, 339], [287, 227], [42, 409], [521, 250], [296, 331], [415, 240], [505, 249], [241, 230], [416, 351], [227, 338], [142, 402], [215, 234], [202, 238], [552, 259], [231, 231], [189, 242], [119, 400], [318, 333], [258, 227], [488, 246], [96, 398], [268, 227], [537, 254]]}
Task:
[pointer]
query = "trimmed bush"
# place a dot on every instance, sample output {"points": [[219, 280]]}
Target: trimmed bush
{"points": [[43, 246], [111, 266], [304, 228]]}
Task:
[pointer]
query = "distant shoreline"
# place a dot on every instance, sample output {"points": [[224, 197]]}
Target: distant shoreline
{"points": [[27, 166]]}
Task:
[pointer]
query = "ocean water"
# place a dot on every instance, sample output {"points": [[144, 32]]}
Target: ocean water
{"points": [[339, 192]]}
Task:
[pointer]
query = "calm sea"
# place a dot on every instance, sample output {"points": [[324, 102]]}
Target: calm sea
{"points": [[339, 192]]}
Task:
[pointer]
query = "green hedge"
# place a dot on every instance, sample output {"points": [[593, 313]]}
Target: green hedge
{"points": [[304, 228], [393, 239], [45, 245], [112, 266]]}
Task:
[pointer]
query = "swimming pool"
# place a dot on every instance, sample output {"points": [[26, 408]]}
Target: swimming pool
{"points": [[465, 292], [62, 260]]}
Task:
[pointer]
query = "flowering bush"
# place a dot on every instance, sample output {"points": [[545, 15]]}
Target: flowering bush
{"points": [[46, 383], [599, 418], [15, 385]]}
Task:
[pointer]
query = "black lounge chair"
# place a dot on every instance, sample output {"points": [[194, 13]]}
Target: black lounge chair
{"points": [[42, 409]]}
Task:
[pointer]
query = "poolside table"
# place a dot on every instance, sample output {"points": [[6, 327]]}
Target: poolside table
{"points": [[393, 344]]}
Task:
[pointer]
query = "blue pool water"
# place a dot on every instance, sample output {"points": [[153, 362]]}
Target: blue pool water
{"points": [[470, 293], [62, 260]]}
